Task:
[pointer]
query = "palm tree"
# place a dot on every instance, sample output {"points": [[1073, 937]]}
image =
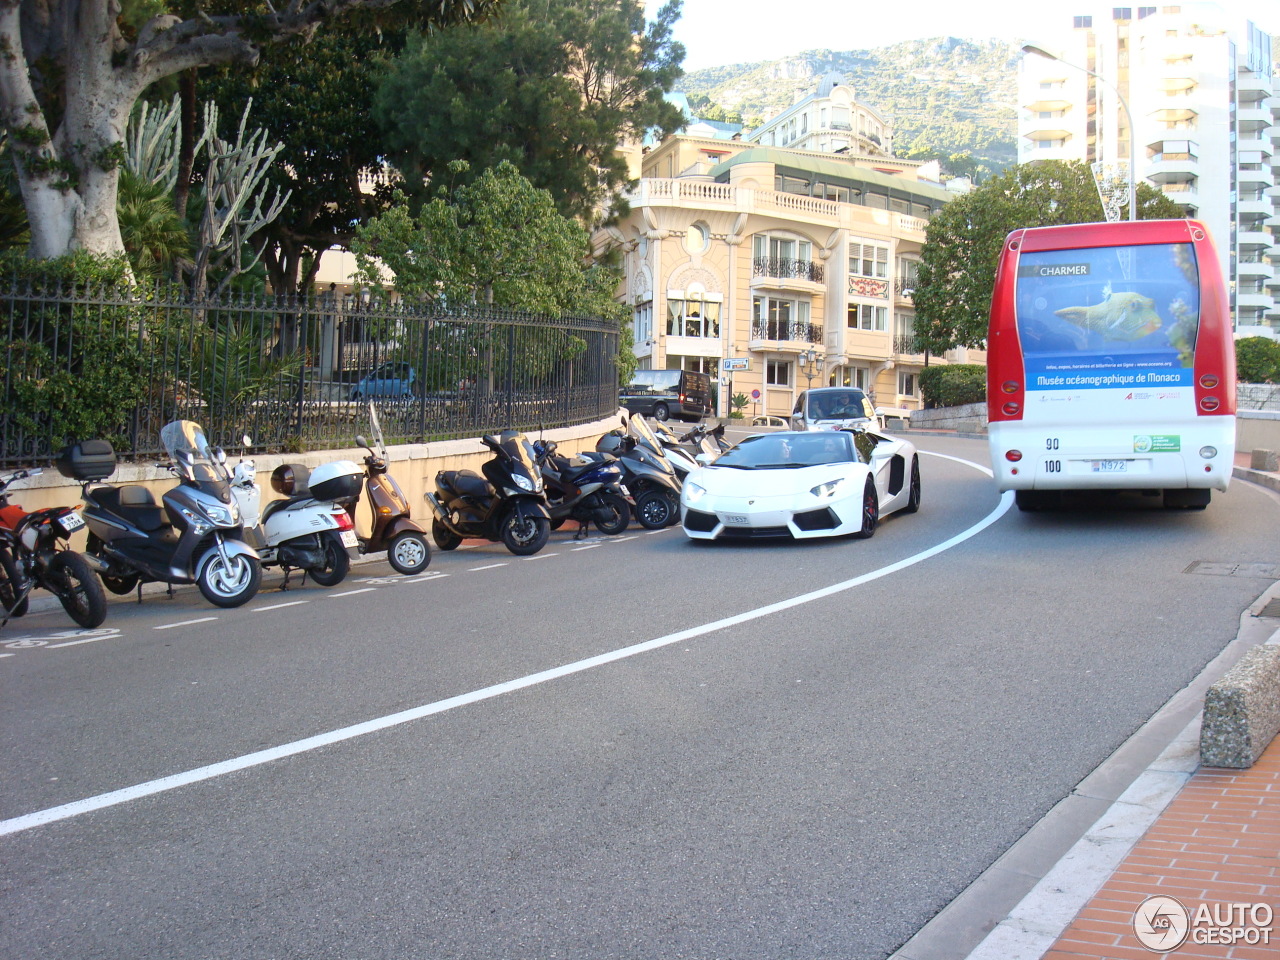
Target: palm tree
{"points": [[155, 237]]}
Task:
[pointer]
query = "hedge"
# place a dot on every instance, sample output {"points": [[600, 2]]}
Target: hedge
{"points": [[953, 385]]}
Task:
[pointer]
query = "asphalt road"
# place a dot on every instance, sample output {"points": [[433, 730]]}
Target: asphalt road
{"points": [[811, 781]]}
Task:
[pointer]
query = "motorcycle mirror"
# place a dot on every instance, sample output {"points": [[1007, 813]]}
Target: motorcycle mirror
{"points": [[361, 441], [244, 439]]}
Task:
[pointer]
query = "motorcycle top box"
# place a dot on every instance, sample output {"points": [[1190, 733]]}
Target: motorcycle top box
{"points": [[339, 480], [87, 461]]}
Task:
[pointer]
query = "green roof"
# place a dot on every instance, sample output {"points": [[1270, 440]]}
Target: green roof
{"points": [[831, 171]]}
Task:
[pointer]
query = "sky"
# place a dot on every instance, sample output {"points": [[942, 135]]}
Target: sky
{"points": [[720, 32]]}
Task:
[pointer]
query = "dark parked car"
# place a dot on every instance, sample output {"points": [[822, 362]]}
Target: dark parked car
{"points": [[661, 394]]}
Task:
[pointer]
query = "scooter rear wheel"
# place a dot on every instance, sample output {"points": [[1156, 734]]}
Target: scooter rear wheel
{"points": [[409, 553], [74, 583], [229, 584], [621, 515], [336, 562], [445, 538]]}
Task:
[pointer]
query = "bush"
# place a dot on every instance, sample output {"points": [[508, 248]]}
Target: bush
{"points": [[73, 359], [1257, 360], [953, 385]]}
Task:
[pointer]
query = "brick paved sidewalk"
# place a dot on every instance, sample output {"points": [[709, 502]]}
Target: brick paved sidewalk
{"points": [[1217, 844]]}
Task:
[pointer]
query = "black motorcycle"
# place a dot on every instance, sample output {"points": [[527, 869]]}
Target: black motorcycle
{"points": [[588, 491], [507, 503], [34, 553]]}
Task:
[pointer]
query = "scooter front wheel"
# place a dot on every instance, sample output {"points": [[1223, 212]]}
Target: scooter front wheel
{"points": [[657, 509], [231, 583], [74, 583], [525, 537], [336, 562], [409, 553]]}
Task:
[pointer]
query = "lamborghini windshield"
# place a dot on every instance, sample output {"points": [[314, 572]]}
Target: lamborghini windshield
{"points": [[776, 451]]}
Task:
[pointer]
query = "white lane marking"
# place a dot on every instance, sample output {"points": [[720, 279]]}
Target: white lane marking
{"points": [[183, 623], [589, 546], [650, 533], [279, 606], [2, 655], [248, 760], [542, 556], [72, 643], [968, 463], [622, 539], [433, 575], [352, 593], [491, 566]]}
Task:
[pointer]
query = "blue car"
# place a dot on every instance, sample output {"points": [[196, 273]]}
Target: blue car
{"points": [[392, 379]]}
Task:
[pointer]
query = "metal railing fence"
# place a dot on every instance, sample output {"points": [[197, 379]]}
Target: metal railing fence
{"points": [[292, 374]]}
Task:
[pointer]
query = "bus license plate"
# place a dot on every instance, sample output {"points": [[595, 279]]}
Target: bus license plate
{"points": [[349, 538], [71, 522], [1110, 466]]}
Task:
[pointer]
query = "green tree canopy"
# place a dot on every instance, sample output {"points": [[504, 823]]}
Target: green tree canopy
{"points": [[1257, 360], [551, 87], [964, 240]]}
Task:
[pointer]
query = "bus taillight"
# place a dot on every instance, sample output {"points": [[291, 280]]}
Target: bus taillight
{"points": [[1013, 456], [1011, 409], [1011, 386], [1210, 381], [1208, 404]]}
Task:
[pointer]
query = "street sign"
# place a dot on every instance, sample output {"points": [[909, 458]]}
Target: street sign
{"points": [[730, 364], [755, 394]]}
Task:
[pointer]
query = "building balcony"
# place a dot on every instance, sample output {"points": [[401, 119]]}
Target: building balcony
{"points": [[1254, 268], [784, 337], [1253, 118], [1254, 236], [904, 288], [1047, 130], [1258, 144], [906, 346], [1172, 168], [1254, 301], [783, 268], [1187, 194], [1248, 82], [1258, 208], [1173, 114], [1047, 106], [1263, 175]]}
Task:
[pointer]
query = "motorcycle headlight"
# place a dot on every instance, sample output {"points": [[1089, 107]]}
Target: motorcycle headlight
{"points": [[223, 516], [524, 483], [826, 491], [693, 493]]}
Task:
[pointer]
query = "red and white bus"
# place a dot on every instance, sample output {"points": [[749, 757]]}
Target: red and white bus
{"points": [[1111, 364]]}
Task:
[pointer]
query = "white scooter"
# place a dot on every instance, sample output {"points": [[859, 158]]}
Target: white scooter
{"points": [[310, 529], [681, 457]]}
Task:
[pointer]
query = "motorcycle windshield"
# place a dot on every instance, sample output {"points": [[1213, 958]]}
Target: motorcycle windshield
{"points": [[518, 447], [187, 446], [644, 434]]}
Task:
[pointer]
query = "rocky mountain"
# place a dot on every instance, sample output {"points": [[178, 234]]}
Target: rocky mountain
{"points": [[945, 96]]}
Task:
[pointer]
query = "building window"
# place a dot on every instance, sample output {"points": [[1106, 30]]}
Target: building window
{"points": [[698, 238], [868, 259], [906, 384], [642, 321], [777, 373], [866, 316], [775, 319], [693, 315]]}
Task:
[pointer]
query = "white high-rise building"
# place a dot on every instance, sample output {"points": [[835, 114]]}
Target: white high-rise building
{"points": [[1203, 116]]}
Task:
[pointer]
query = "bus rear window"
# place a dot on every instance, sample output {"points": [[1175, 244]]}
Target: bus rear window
{"points": [[1108, 316]]}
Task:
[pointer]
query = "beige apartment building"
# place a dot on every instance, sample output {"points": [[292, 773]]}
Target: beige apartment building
{"points": [[777, 269]]}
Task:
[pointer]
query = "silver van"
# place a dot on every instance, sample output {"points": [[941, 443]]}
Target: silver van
{"points": [[827, 408]]}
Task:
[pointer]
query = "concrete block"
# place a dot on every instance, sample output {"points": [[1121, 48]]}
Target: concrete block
{"points": [[1242, 711], [1265, 460]]}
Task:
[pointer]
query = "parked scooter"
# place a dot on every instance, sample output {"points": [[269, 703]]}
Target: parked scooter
{"points": [[702, 440], [680, 456], [310, 529], [34, 553], [583, 490], [507, 503], [404, 539], [647, 473], [195, 535]]}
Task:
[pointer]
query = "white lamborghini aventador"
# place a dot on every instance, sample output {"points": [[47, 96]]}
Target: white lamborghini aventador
{"points": [[826, 484]]}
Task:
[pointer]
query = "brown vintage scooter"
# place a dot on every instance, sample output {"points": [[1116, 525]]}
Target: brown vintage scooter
{"points": [[393, 531]]}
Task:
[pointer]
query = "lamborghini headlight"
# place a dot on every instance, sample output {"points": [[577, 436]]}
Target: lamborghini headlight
{"points": [[693, 493], [828, 490]]}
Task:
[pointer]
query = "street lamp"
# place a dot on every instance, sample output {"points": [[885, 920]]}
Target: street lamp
{"points": [[807, 360], [1133, 166]]}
